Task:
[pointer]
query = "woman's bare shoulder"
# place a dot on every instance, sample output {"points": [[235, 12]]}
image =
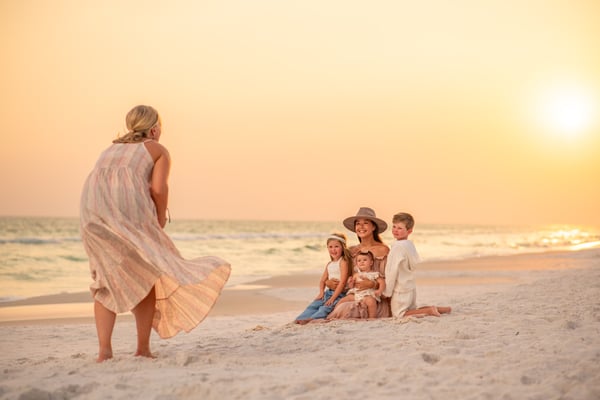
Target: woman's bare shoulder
{"points": [[156, 149], [380, 250]]}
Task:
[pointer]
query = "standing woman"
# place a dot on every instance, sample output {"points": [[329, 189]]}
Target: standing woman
{"points": [[134, 264], [367, 227]]}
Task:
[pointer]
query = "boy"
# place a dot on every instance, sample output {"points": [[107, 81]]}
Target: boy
{"points": [[399, 280]]}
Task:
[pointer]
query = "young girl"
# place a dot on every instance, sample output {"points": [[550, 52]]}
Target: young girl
{"points": [[364, 271], [338, 268]]}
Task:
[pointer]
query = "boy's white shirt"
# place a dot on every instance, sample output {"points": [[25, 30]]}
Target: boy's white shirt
{"points": [[401, 262]]}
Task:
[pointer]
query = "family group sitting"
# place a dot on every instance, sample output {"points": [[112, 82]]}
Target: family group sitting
{"points": [[369, 280]]}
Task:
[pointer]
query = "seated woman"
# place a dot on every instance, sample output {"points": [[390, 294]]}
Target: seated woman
{"points": [[367, 227]]}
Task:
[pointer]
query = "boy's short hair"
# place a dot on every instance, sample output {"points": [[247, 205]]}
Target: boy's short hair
{"points": [[406, 218]]}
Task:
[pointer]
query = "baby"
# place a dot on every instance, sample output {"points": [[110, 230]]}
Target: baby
{"points": [[364, 271]]}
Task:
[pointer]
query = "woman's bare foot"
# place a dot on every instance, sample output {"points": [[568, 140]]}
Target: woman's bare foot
{"points": [[104, 355], [303, 321], [144, 353]]}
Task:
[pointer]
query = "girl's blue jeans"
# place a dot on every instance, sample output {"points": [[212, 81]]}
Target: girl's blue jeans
{"points": [[318, 309]]}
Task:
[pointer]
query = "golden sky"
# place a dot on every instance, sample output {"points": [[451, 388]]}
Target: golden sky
{"points": [[461, 112]]}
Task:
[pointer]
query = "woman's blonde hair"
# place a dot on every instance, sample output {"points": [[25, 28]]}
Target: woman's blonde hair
{"points": [[139, 120], [341, 238]]}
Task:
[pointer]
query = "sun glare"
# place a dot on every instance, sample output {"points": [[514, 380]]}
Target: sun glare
{"points": [[566, 112]]}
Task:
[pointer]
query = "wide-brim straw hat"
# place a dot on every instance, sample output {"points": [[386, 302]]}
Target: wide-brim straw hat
{"points": [[366, 213]]}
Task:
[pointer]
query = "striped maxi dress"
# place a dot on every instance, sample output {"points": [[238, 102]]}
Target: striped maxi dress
{"points": [[129, 253]]}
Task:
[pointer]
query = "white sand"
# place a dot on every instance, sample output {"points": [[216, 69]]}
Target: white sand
{"points": [[525, 327]]}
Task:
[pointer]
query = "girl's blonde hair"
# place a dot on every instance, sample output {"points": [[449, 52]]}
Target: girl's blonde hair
{"points": [[341, 238], [139, 120]]}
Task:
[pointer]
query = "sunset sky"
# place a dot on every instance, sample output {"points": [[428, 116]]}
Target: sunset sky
{"points": [[460, 112]]}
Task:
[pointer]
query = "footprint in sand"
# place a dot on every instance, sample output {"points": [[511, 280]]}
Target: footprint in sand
{"points": [[430, 358]]}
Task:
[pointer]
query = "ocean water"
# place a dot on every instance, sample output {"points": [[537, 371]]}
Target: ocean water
{"points": [[40, 256]]}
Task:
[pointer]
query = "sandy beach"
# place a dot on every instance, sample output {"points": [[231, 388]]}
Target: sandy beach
{"points": [[522, 327]]}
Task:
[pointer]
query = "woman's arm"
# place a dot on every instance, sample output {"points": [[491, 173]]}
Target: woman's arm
{"points": [[332, 284], [381, 287], [365, 284], [159, 188]]}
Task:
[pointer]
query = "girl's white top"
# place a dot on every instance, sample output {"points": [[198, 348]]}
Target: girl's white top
{"points": [[333, 270]]}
